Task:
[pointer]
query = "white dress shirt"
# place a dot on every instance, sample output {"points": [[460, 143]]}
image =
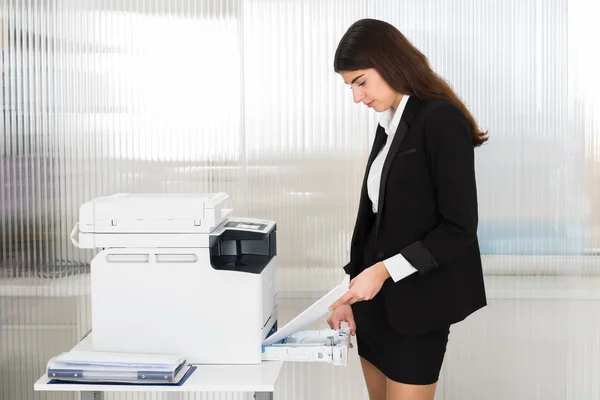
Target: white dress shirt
{"points": [[396, 265]]}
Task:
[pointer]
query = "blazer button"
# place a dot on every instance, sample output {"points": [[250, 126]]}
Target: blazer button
{"points": [[380, 255]]}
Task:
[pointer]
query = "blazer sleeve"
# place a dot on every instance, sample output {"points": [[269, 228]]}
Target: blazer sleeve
{"points": [[451, 156], [348, 268]]}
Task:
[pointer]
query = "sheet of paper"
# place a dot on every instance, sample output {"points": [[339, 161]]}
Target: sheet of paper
{"points": [[313, 313], [75, 357]]}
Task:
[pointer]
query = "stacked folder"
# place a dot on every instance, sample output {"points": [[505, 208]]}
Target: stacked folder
{"points": [[97, 367]]}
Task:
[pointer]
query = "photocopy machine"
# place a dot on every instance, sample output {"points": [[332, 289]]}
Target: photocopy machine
{"points": [[177, 274]]}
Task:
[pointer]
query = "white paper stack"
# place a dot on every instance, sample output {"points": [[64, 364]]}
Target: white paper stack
{"points": [[93, 366]]}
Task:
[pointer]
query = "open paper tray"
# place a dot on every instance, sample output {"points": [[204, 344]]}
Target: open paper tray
{"points": [[180, 379], [329, 346], [313, 313]]}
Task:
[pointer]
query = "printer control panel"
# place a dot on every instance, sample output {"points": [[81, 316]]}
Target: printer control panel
{"points": [[245, 229], [249, 224], [246, 225]]}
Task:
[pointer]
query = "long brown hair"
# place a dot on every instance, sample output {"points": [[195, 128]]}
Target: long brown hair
{"points": [[370, 43]]}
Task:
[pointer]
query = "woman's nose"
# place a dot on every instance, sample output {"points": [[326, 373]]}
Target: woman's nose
{"points": [[358, 95]]}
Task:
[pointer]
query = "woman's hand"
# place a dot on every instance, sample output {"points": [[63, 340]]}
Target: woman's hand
{"points": [[365, 286], [342, 313]]}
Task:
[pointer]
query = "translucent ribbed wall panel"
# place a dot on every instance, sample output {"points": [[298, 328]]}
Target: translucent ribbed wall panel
{"points": [[306, 141], [509, 61], [106, 96], [101, 97]]}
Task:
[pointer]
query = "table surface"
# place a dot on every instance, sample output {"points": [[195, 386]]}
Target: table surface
{"points": [[206, 378]]}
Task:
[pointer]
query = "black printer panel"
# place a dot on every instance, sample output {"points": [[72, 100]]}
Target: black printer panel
{"points": [[243, 251]]}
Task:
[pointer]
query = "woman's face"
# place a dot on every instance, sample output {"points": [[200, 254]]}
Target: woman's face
{"points": [[369, 88]]}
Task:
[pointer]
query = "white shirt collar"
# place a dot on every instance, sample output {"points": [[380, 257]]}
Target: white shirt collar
{"points": [[389, 123]]}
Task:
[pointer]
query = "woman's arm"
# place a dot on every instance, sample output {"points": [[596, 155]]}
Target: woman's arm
{"points": [[450, 148]]}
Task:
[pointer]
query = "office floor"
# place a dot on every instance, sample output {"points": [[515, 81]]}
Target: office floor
{"points": [[533, 341]]}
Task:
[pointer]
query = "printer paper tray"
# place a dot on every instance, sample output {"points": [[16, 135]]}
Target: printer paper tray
{"points": [[329, 346]]}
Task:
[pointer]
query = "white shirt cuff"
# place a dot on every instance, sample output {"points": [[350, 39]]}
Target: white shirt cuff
{"points": [[398, 267]]}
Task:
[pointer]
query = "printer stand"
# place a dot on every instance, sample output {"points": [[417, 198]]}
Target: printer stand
{"points": [[263, 395], [92, 396], [258, 379], [100, 396]]}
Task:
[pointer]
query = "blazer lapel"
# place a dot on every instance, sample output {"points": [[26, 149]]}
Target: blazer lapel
{"points": [[410, 110], [364, 203], [378, 143], [396, 142]]}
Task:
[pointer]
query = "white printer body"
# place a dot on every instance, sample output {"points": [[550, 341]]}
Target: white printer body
{"points": [[178, 275]]}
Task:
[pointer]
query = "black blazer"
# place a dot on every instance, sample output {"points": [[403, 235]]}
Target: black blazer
{"points": [[427, 211]]}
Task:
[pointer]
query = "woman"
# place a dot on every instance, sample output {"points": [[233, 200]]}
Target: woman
{"points": [[415, 263]]}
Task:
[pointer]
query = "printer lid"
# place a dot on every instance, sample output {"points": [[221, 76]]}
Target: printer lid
{"points": [[153, 213]]}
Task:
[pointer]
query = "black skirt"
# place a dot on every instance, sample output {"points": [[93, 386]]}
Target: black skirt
{"points": [[414, 360]]}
